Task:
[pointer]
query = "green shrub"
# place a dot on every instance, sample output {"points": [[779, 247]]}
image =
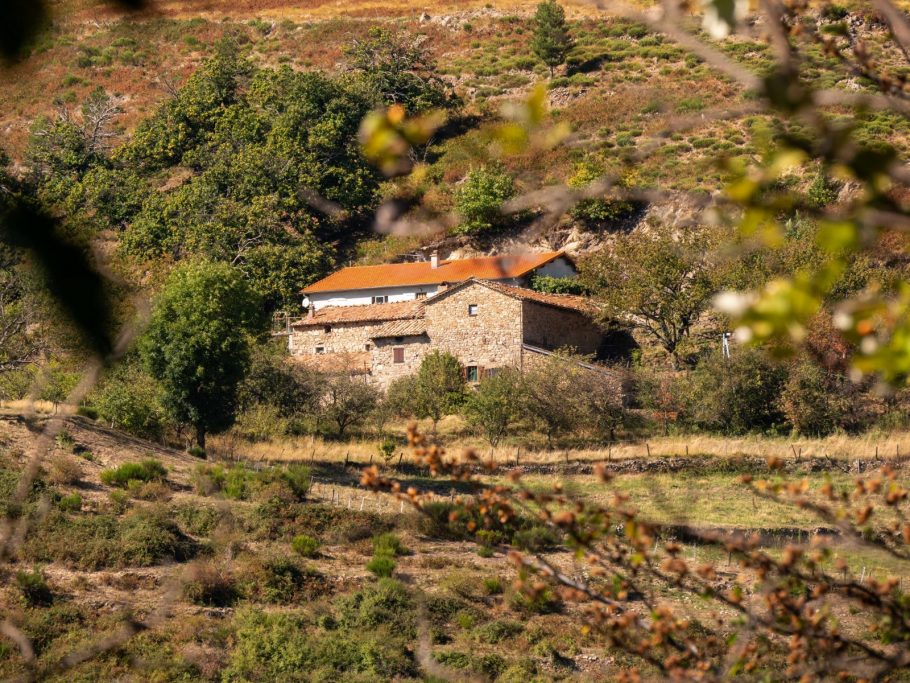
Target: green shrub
{"points": [[381, 565], [282, 581], [537, 602], [196, 452], [388, 544], [496, 631], [147, 470], [480, 197], [304, 545], [385, 602], [282, 647], [70, 503], [34, 589], [815, 402], [64, 470], [92, 542], [120, 502], [492, 585]]}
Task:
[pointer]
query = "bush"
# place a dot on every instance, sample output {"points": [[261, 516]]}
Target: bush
{"points": [[535, 538], [64, 470], [385, 602], [34, 589], [281, 581], [208, 585], [92, 542], [305, 546], [388, 544], [814, 402], [735, 395], [381, 565], [480, 197], [147, 470], [120, 502], [496, 631], [70, 503]]}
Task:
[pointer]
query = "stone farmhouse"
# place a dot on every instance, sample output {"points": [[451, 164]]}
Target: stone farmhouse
{"points": [[488, 323]]}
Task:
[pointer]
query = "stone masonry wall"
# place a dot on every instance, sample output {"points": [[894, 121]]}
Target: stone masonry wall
{"points": [[552, 328], [490, 339], [341, 338], [382, 358]]}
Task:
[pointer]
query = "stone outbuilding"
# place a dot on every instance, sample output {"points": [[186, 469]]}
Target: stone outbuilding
{"points": [[487, 325]]}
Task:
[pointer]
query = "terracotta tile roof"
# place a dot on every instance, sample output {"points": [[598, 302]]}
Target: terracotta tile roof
{"points": [[501, 267], [401, 328], [330, 315], [354, 363], [570, 301]]}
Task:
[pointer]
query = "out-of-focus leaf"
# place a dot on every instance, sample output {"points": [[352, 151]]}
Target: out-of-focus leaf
{"points": [[20, 22], [387, 136], [525, 125], [721, 16], [69, 275]]}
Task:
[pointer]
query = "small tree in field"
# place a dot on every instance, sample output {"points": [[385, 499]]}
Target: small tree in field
{"points": [[551, 42], [439, 387], [198, 344], [348, 401], [493, 407], [551, 396], [480, 197]]}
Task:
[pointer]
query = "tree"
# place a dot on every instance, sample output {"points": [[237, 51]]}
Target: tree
{"points": [[197, 344], [439, 386], [815, 402], [551, 42], [399, 70], [20, 343], [735, 395], [129, 399], [551, 396], [348, 400], [493, 406], [480, 197], [656, 283]]}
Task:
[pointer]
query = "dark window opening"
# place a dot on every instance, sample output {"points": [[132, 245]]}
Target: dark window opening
{"points": [[398, 355], [384, 299], [472, 309], [327, 329], [367, 346], [420, 295], [320, 349], [492, 372], [471, 373]]}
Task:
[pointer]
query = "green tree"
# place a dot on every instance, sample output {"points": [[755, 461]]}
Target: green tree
{"points": [[348, 400], [197, 344], [551, 394], [816, 402], [551, 42], [480, 197], [399, 70], [656, 283], [439, 388], [129, 400], [735, 395], [494, 405]]}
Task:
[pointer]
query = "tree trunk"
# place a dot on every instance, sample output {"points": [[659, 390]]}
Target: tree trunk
{"points": [[200, 436]]}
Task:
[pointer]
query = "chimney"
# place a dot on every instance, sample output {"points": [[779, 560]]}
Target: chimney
{"points": [[434, 259]]}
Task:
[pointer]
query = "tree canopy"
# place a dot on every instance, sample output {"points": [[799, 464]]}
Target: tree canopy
{"points": [[552, 41], [197, 344]]}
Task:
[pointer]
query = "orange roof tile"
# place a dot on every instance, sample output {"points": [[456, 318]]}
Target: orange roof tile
{"points": [[570, 301], [329, 315], [501, 267], [401, 328]]}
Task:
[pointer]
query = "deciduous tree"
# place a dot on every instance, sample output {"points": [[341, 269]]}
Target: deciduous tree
{"points": [[197, 344]]}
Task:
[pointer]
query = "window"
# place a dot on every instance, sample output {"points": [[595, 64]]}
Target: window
{"points": [[367, 346], [383, 299], [398, 355], [420, 295], [320, 349], [471, 374], [327, 329], [472, 309], [492, 372]]}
